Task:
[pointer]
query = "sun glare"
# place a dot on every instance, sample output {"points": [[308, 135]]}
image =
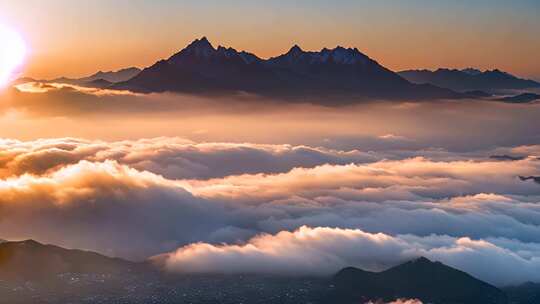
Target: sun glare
{"points": [[12, 54]]}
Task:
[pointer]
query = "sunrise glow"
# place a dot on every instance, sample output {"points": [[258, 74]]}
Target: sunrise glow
{"points": [[270, 152], [12, 54]]}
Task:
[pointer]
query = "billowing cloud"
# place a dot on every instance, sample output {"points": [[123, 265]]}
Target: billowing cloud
{"points": [[174, 158], [106, 207], [418, 177], [141, 198], [324, 251]]}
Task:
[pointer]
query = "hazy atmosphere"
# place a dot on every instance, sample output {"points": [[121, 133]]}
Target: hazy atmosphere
{"points": [[291, 139]]}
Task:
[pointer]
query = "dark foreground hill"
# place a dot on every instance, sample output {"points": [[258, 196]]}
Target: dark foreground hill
{"points": [[31, 272], [431, 282], [32, 261], [340, 72], [528, 293]]}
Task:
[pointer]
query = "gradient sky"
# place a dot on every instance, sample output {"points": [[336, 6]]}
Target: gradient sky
{"points": [[75, 38]]}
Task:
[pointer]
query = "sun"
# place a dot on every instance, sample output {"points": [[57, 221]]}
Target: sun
{"points": [[12, 54]]}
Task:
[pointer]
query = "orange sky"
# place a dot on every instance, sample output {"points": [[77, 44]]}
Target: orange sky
{"points": [[69, 38]]}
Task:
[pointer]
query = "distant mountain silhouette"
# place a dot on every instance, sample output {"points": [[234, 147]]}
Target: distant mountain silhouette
{"points": [[23, 80], [506, 157], [113, 76], [98, 80], [202, 69], [536, 179], [469, 79], [99, 83], [431, 282], [521, 98]]}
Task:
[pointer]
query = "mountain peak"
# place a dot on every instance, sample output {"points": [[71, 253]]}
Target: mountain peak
{"points": [[500, 73], [338, 55], [471, 71], [202, 43], [200, 48], [346, 55], [202, 40], [421, 260], [420, 263], [30, 242], [431, 282], [295, 50]]}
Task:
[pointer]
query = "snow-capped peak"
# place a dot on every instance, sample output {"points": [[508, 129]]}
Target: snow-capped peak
{"points": [[201, 48], [339, 55], [342, 55]]}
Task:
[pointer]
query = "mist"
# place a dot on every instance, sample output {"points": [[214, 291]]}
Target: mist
{"points": [[242, 183], [465, 125]]}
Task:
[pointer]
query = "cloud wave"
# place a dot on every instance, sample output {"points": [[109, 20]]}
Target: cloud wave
{"points": [[324, 251], [141, 198], [174, 158]]}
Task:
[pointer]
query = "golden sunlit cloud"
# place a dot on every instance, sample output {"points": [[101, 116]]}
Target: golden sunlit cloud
{"points": [[40, 87], [12, 54]]}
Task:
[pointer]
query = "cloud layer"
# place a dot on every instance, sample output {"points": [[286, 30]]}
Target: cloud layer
{"points": [[174, 158], [237, 207], [468, 125]]}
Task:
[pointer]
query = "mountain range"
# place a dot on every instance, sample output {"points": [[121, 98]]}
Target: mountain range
{"points": [[330, 76], [469, 79], [202, 69], [31, 272]]}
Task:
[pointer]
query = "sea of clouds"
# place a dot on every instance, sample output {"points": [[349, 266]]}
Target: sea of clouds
{"points": [[270, 187], [280, 209]]}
